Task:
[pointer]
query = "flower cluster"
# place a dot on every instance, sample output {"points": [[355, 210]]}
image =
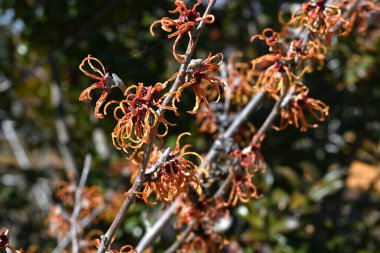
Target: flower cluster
{"points": [[202, 214], [240, 87], [58, 220], [242, 188], [137, 117], [290, 57], [275, 78], [274, 72], [198, 71], [296, 111], [320, 18], [360, 15], [244, 165], [184, 25], [173, 177], [140, 113]]}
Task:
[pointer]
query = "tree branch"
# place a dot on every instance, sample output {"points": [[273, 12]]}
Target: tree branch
{"points": [[159, 163], [63, 243], [60, 123], [156, 228], [173, 248], [139, 181], [77, 203]]}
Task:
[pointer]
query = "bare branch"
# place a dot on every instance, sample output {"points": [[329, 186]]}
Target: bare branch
{"points": [[60, 123], [173, 248], [63, 243], [227, 92], [156, 228], [77, 203], [15, 143]]}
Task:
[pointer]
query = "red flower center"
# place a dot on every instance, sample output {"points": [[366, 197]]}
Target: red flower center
{"points": [[192, 16]]}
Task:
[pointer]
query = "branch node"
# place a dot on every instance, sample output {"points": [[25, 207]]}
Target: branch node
{"points": [[159, 163], [117, 82]]}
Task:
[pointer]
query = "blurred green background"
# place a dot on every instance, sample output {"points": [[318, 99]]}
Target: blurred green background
{"points": [[321, 189]]}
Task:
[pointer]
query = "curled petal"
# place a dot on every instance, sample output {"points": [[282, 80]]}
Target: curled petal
{"points": [[184, 25], [99, 74], [86, 93]]}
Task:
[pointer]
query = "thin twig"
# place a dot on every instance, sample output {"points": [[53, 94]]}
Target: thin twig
{"points": [[173, 248], [130, 198], [227, 93], [85, 222], [60, 122], [156, 228], [77, 203], [15, 143], [269, 120], [235, 126]]}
